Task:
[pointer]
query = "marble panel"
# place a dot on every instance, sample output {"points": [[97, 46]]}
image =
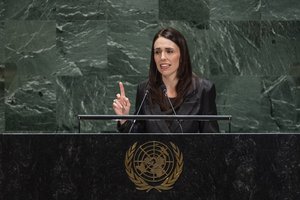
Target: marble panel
{"points": [[81, 10], [280, 104], [188, 10], [280, 46], [280, 10], [30, 61], [2, 116], [31, 106], [132, 10], [27, 10], [2, 42], [2, 10], [231, 10], [235, 48], [82, 47], [2, 67], [239, 96], [83, 95]]}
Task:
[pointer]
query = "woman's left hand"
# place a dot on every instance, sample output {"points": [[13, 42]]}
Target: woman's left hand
{"points": [[121, 104]]}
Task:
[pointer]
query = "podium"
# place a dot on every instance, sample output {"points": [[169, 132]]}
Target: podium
{"points": [[139, 166]]}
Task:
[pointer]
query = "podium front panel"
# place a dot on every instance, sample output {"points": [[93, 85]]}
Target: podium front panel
{"points": [[143, 166]]}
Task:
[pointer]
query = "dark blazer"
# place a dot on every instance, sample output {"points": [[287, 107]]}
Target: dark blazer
{"points": [[200, 100]]}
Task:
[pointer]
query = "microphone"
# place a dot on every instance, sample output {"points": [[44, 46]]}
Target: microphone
{"points": [[164, 89], [137, 113]]}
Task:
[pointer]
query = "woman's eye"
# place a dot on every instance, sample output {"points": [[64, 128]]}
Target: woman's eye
{"points": [[157, 52], [170, 51]]}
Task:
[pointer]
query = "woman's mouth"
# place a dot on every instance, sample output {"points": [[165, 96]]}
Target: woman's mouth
{"points": [[165, 66]]}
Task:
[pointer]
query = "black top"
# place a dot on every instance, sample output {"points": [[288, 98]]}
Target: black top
{"points": [[200, 100]]}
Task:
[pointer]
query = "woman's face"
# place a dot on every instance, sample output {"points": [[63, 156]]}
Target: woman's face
{"points": [[166, 56]]}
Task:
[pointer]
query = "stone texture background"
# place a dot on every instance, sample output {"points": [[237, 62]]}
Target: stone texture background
{"points": [[63, 58]]}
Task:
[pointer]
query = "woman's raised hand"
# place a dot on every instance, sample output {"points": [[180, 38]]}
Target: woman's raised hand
{"points": [[121, 103]]}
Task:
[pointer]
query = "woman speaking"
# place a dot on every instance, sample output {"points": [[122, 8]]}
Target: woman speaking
{"points": [[172, 88]]}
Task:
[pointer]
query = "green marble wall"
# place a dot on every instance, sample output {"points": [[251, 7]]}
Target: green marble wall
{"points": [[63, 58]]}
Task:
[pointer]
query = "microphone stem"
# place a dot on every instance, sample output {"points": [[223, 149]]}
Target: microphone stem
{"points": [[137, 113], [179, 123]]}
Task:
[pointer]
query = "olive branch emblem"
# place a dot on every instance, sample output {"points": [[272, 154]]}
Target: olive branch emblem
{"points": [[141, 184]]}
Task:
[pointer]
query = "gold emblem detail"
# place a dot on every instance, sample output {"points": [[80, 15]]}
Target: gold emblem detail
{"points": [[153, 165]]}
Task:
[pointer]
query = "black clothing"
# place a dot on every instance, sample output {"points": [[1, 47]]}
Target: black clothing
{"points": [[200, 100]]}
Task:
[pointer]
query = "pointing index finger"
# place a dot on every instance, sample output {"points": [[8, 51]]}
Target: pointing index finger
{"points": [[122, 90]]}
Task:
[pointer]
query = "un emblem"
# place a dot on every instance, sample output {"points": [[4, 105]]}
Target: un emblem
{"points": [[153, 165]]}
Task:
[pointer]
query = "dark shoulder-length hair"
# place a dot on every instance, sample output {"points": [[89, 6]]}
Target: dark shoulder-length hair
{"points": [[184, 73]]}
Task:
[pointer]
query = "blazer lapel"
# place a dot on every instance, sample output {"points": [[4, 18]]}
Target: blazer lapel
{"points": [[191, 102]]}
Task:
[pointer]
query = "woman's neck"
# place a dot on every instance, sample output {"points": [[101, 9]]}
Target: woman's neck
{"points": [[171, 86]]}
